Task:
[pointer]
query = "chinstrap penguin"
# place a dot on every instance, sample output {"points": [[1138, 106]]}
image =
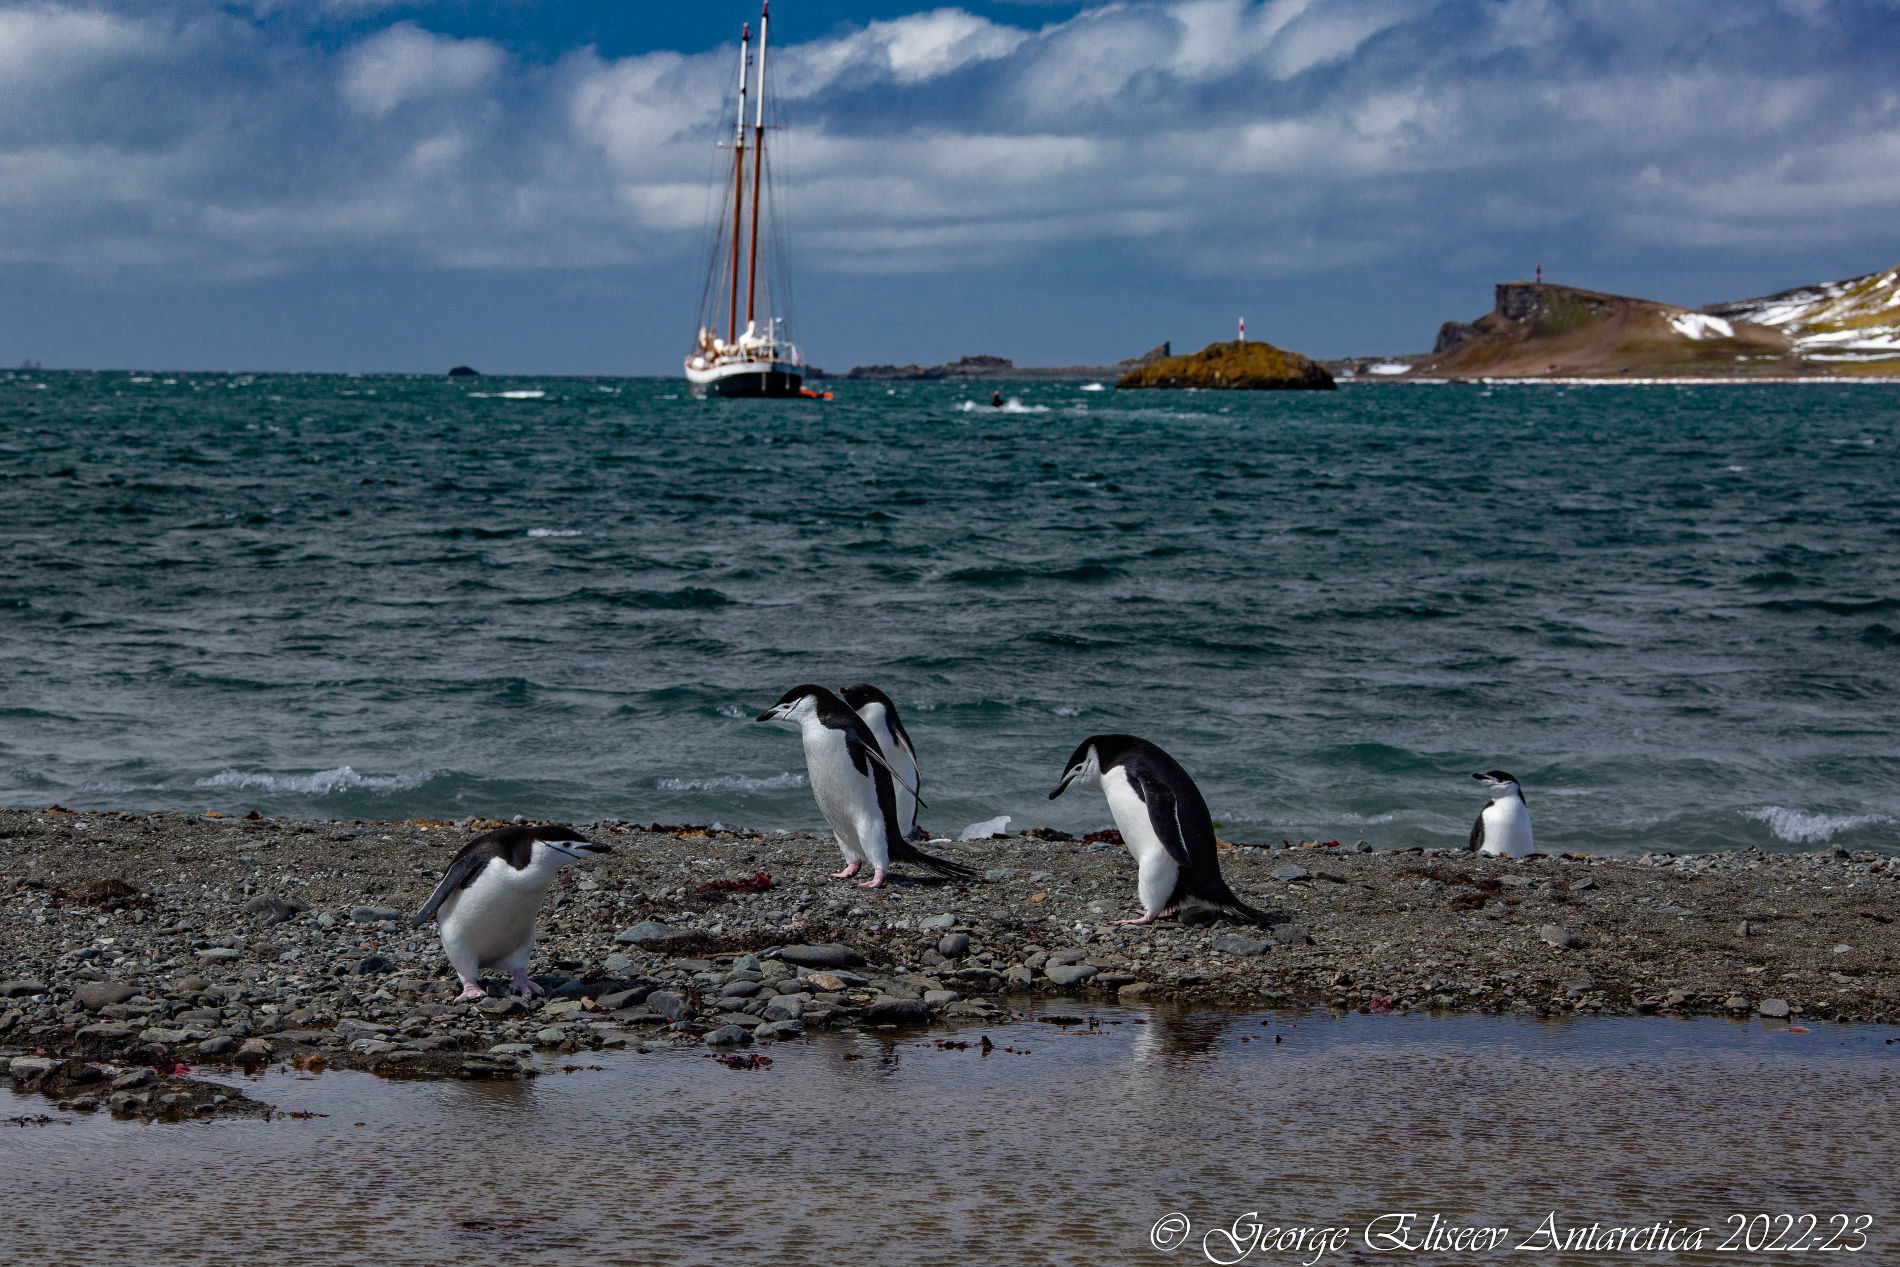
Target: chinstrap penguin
{"points": [[486, 903], [880, 714], [1503, 828], [852, 784], [1163, 821]]}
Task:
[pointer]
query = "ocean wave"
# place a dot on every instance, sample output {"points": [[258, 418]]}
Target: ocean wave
{"points": [[554, 532], [341, 779], [1801, 827], [733, 783]]}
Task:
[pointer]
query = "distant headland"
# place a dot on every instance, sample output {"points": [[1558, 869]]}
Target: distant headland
{"points": [[1538, 329], [998, 369]]}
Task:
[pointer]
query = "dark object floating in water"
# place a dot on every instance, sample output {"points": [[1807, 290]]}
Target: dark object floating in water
{"points": [[464, 371]]}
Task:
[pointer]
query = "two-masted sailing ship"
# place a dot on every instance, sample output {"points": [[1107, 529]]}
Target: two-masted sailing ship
{"points": [[758, 357]]}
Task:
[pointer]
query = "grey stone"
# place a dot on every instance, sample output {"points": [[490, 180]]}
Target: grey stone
{"points": [[106, 1031], [827, 955], [954, 945], [131, 1078], [1776, 1008], [97, 994], [1290, 872], [505, 1006], [30, 1068], [267, 910], [1018, 976], [372, 966], [190, 987], [1071, 973], [623, 998], [931, 923], [219, 954], [1230, 944], [511, 1049], [217, 1045], [779, 1029], [645, 931], [746, 963], [940, 998], [373, 914], [1561, 938], [1292, 935], [616, 964], [738, 989], [1745, 929], [1735, 1003], [1065, 956], [670, 1005], [550, 1036], [729, 1036], [786, 1007], [21, 988]]}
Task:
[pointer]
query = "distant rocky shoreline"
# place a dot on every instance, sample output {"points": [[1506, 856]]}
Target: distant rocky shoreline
{"points": [[983, 369], [136, 949]]}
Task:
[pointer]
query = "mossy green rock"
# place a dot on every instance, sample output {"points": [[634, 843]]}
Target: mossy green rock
{"points": [[1236, 366]]}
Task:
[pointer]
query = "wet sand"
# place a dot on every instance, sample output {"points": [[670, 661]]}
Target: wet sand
{"points": [[169, 943]]}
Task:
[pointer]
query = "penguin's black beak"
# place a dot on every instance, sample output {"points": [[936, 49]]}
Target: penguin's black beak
{"points": [[770, 714], [1062, 786], [595, 846]]}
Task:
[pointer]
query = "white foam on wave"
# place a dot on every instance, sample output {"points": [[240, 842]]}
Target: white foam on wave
{"points": [[1010, 406], [1803, 827], [738, 712], [733, 783], [323, 782], [523, 395], [1094, 387], [554, 532]]}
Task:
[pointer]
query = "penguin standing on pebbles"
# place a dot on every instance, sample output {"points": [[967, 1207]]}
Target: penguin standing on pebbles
{"points": [[880, 714], [486, 903], [852, 783], [1503, 829], [1163, 821]]}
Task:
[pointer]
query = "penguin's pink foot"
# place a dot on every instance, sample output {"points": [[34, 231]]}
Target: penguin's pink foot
{"points": [[875, 882], [847, 873], [471, 990], [1145, 919], [524, 986]]}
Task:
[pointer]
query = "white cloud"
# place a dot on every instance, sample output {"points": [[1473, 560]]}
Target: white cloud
{"points": [[184, 135], [406, 63]]}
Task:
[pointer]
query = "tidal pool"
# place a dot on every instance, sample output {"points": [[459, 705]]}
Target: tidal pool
{"points": [[1067, 1142]]}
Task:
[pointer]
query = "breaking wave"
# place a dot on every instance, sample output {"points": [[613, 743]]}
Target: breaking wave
{"points": [[1800, 827], [341, 779], [733, 783]]}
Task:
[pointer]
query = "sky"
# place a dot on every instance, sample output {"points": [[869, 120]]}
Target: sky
{"points": [[522, 185]]}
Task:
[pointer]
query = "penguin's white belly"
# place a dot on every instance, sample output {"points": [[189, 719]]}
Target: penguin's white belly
{"points": [[493, 918], [847, 799], [1155, 868], [1507, 829]]}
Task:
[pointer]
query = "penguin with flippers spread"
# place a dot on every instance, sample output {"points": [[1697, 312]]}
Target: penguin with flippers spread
{"points": [[486, 904]]}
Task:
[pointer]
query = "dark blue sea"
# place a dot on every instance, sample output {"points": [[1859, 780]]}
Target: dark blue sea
{"points": [[1673, 612]]}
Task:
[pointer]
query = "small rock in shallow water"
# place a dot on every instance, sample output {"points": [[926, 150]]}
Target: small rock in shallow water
{"points": [[1071, 973], [217, 1046], [1775, 1008], [897, 1012], [668, 1004], [940, 998], [729, 1036], [786, 1007]]}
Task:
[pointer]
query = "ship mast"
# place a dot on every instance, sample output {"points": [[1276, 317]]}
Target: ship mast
{"points": [[758, 168], [738, 186]]}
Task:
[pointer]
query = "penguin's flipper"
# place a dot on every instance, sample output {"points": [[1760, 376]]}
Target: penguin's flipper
{"points": [[1477, 833], [1164, 814], [903, 851], [1189, 839], [460, 872], [857, 744]]}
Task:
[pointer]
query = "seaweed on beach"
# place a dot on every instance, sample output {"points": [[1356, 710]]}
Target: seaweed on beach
{"points": [[109, 894]]}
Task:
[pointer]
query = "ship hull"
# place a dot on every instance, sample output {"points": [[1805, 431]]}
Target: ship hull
{"points": [[754, 380]]}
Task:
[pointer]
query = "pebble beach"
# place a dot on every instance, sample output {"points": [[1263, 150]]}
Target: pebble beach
{"points": [[137, 950]]}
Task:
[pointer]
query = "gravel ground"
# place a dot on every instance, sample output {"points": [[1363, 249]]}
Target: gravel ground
{"points": [[135, 948]]}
